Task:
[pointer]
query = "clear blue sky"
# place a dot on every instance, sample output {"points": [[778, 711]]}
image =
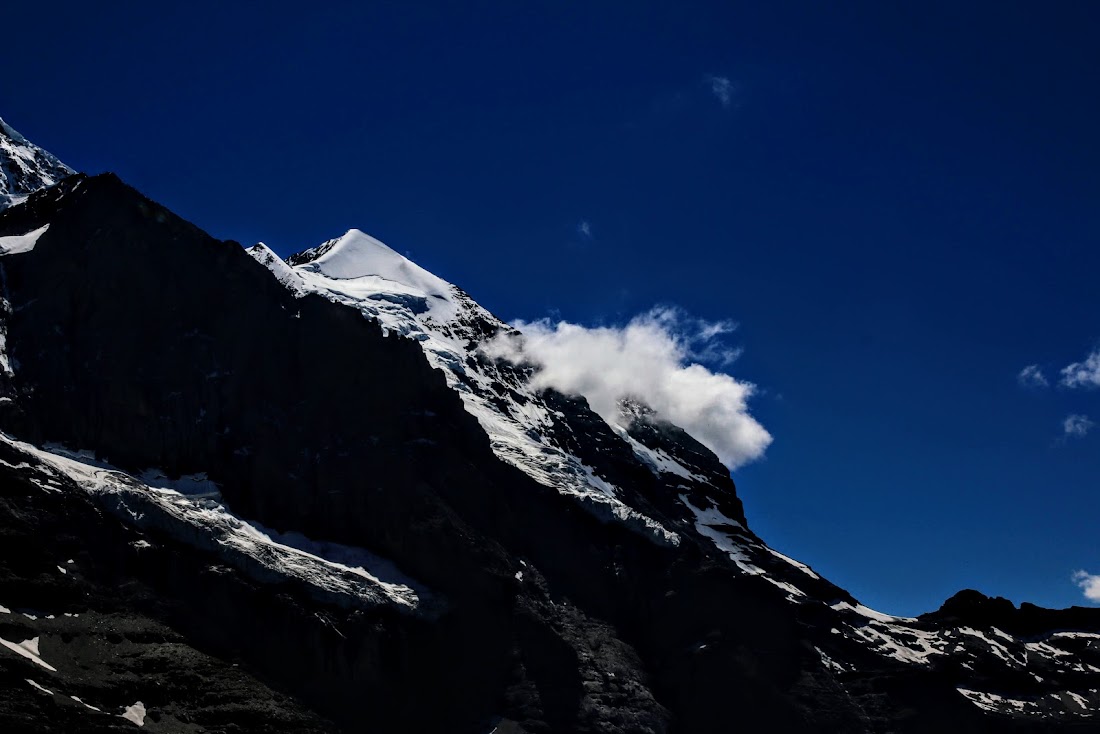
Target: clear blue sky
{"points": [[899, 206]]}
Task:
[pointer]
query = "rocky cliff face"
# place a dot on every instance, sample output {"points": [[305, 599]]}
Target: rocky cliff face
{"points": [[24, 167], [302, 496]]}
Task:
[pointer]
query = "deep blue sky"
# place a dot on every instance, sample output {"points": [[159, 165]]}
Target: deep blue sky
{"points": [[899, 206]]}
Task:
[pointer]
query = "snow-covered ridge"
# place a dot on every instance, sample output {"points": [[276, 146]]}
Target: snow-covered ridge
{"points": [[282, 272], [24, 167], [359, 271], [189, 510]]}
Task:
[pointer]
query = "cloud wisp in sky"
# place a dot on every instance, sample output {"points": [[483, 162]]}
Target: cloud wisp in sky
{"points": [[1079, 374], [1032, 376], [1076, 426], [723, 89], [1089, 583], [1083, 374], [653, 358], [584, 229]]}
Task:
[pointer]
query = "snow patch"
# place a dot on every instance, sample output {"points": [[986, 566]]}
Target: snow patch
{"points": [[709, 522], [800, 566], [135, 713], [283, 272], [829, 663], [38, 687], [790, 588], [1070, 702], [658, 461], [905, 644], [18, 244], [991, 701], [29, 650], [86, 705], [997, 648], [1076, 635], [870, 613], [194, 486]]}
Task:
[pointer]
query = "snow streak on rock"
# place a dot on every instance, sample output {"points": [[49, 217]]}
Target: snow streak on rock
{"points": [[189, 509]]}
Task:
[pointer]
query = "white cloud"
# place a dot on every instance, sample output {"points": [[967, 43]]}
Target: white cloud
{"points": [[1032, 376], [654, 358], [584, 229], [722, 88], [1076, 426], [1089, 583], [1083, 374]]}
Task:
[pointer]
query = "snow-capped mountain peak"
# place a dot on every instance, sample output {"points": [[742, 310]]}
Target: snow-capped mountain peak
{"points": [[358, 255], [24, 167], [367, 266]]}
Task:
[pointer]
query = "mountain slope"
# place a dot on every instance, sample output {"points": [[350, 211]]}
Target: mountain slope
{"points": [[24, 167], [359, 271], [401, 533]]}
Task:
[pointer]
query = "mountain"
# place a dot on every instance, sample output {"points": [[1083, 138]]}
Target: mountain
{"points": [[239, 493]]}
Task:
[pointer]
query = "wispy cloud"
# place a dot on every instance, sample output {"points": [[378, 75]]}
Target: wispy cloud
{"points": [[1083, 374], [584, 229], [1089, 583], [1076, 426], [723, 89], [655, 359], [1032, 376]]}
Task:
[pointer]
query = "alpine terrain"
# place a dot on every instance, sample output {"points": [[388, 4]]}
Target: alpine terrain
{"points": [[243, 494]]}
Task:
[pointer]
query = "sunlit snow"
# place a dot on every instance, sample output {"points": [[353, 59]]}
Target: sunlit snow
{"points": [[342, 572], [29, 650], [135, 713], [20, 243], [38, 687], [86, 705]]}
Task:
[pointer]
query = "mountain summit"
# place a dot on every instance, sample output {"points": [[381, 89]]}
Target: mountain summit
{"points": [[242, 493]]}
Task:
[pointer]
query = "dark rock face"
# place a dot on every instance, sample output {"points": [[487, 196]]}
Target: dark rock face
{"points": [[135, 336], [93, 593], [974, 609], [141, 338]]}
